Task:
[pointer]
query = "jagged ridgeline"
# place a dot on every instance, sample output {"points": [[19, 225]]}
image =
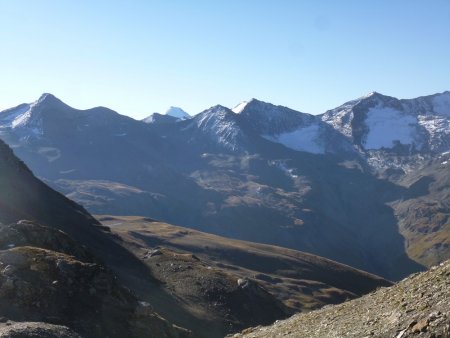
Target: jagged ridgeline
{"points": [[365, 184]]}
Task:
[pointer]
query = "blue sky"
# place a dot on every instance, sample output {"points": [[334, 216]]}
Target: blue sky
{"points": [[138, 57]]}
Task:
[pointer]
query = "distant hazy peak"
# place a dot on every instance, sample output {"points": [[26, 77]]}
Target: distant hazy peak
{"points": [[172, 114], [158, 118], [177, 112]]}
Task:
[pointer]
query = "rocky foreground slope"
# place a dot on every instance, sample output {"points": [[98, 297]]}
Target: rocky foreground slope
{"points": [[417, 306], [46, 278]]}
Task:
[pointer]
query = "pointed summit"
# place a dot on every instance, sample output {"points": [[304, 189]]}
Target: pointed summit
{"points": [[376, 96], [28, 115], [220, 123], [261, 108], [177, 112], [267, 118], [248, 104], [46, 96], [48, 100]]}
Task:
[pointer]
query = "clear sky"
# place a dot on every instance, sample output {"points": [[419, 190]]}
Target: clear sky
{"points": [[138, 57]]}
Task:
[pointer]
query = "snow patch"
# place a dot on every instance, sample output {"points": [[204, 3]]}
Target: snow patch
{"points": [[23, 116], [65, 172], [21, 120], [387, 126], [302, 139], [240, 107], [50, 153], [149, 119], [282, 165], [8, 116], [288, 171]]}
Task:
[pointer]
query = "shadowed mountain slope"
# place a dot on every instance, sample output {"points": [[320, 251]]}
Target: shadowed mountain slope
{"points": [[46, 276]]}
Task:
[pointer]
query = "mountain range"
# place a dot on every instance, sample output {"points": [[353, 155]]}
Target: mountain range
{"points": [[365, 184]]}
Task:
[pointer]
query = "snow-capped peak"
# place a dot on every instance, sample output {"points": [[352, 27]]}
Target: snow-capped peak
{"points": [[178, 113], [376, 96], [27, 115], [220, 123], [372, 93], [378, 122]]}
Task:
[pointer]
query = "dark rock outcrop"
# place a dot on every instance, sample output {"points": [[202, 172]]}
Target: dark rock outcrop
{"points": [[42, 285]]}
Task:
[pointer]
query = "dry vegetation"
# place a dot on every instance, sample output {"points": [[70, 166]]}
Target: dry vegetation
{"points": [[215, 285]]}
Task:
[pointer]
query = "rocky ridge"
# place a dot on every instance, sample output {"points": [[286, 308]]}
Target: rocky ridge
{"points": [[40, 283], [417, 306]]}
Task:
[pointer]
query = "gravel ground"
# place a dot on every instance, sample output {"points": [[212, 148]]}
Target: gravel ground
{"points": [[418, 306]]}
